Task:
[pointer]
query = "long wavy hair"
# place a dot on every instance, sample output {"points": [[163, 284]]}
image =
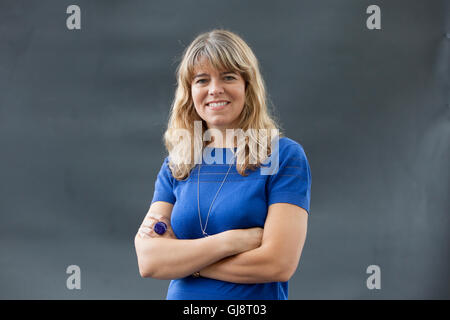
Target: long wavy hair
{"points": [[225, 51]]}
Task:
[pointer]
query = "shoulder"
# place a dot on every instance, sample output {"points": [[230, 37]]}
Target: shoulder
{"points": [[165, 167], [165, 162], [288, 155], [289, 148]]}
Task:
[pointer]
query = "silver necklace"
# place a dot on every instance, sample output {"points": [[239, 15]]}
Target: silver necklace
{"points": [[198, 197]]}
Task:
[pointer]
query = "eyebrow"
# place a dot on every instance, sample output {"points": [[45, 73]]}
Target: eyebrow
{"points": [[205, 74]]}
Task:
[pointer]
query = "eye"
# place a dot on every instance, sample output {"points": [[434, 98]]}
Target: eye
{"points": [[200, 80], [230, 78]]}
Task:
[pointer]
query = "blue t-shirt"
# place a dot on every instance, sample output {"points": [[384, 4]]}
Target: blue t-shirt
{"points": [[241, 203]]}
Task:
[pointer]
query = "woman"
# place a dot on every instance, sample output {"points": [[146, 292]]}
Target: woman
{"points": [[225, 222]]}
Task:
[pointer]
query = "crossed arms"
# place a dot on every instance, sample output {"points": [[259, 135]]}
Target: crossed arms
{"points": [[233, 256]]}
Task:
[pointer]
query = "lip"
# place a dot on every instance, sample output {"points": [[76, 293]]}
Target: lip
{"points": [[217, 108], [216, 101]]}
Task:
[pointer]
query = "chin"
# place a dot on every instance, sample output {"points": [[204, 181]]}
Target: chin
{"points": [[222, 124]]}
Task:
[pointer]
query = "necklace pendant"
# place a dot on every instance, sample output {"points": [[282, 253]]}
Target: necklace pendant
{"points": [[198, 198]]}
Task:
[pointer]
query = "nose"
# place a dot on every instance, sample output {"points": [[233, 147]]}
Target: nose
{"points": [[215, 88]]}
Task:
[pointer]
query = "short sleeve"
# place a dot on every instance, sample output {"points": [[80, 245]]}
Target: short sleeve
{"points": [[292, 182], [164, 184]]}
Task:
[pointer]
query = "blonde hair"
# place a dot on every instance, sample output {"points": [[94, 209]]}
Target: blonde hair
{"points": [[225, 51]]}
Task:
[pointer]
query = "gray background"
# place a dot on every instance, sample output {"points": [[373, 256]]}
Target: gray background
{"points": [[82, 115]]}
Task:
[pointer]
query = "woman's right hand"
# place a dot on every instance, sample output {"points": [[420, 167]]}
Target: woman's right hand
{"points": [[246, 239], [146, 229]]}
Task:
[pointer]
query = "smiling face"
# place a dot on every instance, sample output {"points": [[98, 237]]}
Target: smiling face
{"points": [[218, 95]]}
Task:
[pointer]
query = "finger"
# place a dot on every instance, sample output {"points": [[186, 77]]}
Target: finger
{"points": [[171, 232], [148, 223], [145, 230], [151, 221], [149, 232], [154, 215], [142, 234], [158, 216], [165, 220], [150, 218]]}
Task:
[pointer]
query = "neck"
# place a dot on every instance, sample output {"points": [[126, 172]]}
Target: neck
{"points": [[221, 143], [214, 145]]}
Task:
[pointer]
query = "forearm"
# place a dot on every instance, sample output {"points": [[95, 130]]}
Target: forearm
{"points": [[163, 258], [254, 266]]}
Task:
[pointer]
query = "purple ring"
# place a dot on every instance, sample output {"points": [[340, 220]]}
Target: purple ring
{"points": [[160, 227]]}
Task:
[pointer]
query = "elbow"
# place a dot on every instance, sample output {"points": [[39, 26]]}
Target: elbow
{"points": [[279, 268], [283, 276], [144, 265], [144, 270], [284, 272], [148, 267], [144, 273], [159, 274]]}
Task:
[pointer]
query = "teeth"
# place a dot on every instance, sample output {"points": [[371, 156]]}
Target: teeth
{"points": [[217, 104]]}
